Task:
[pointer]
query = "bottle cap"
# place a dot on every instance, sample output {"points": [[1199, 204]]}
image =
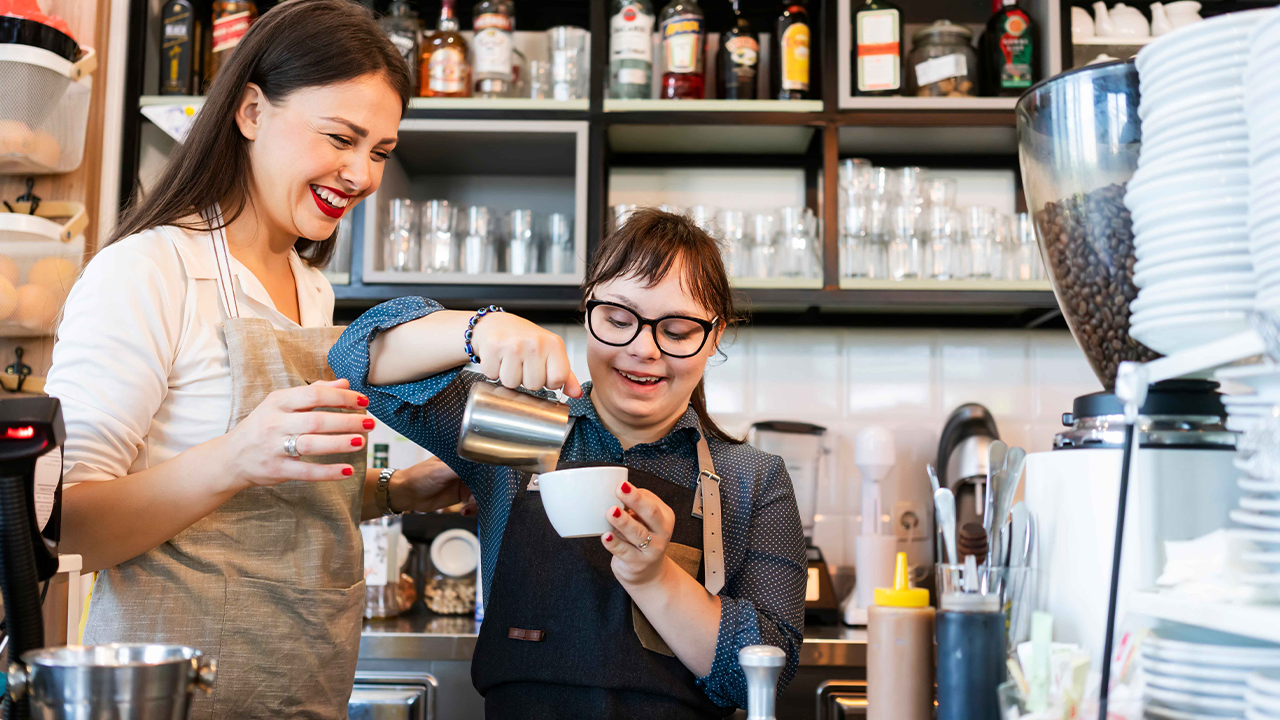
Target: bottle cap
{"points": [[902, 594]]}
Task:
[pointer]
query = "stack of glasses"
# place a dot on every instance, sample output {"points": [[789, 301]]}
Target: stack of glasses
{"points": [[782, 244], [896, 225], [437, 236]]}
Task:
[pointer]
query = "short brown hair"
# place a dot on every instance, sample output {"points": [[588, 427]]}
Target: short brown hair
{"points": [[645, 247]]}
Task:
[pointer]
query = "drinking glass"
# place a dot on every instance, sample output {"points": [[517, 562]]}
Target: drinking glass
{"points": [[733, 239], [621, 213], [539, 79], [762, 262], [569, 62], [704, 216], [1024, 255], [799, 256], [673, 209], [855, 173], [400, 241], [439, 247], [909, 181], [477, 244], [981, 239], [853, 238], [559, 244], [522, 244], [1002, 249], [880, 201], [906, 248], [941, 192], [940, 232]]}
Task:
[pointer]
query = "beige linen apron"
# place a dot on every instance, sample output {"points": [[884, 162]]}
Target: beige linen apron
{"points": [[271, 583]]}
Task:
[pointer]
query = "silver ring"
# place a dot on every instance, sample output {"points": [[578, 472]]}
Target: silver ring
{"points": [[291, 446], [646, 542]]}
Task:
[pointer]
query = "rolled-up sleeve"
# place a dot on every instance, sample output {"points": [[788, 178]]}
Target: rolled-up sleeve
{"points": [[763, 603]]}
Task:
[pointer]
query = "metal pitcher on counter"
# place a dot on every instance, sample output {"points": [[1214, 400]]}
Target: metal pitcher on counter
{"points": [[501, 426]]}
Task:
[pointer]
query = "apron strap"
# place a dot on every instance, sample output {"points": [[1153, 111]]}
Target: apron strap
{"points": [[707, 501], [222, 258]]}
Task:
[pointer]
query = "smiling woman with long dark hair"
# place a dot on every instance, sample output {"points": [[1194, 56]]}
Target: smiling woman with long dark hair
{"points": [[201, 476]]}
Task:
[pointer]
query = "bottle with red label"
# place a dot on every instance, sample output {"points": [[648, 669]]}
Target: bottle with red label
{"points": [[738, 60], [791, 52], [877, 54], [1010, 52], [231, 20], [444, 70], [683, 30], [494, 22]]}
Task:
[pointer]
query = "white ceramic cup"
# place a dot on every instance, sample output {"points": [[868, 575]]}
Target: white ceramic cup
{"points": [[577, 499]]}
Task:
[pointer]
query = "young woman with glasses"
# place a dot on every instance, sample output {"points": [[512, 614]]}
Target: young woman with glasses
{"points": [[646, 621]]}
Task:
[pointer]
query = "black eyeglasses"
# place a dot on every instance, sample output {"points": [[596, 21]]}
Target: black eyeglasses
{"points": [[678, 336]]}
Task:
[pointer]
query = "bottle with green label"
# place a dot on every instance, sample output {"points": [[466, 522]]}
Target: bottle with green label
{"points": [[1010, 52], [877, 53], [631, 50]]}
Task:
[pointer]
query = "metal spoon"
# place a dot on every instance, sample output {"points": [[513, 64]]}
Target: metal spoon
{"points": [[995, 478], [944, 503], [933, 477], [1020, 517]]}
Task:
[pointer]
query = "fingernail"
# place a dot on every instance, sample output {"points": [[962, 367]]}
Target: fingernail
{"points": [[626, 487], [368, 424], [608, 538], [363, 401], [357, 442], [617, 512], [348, 471]]}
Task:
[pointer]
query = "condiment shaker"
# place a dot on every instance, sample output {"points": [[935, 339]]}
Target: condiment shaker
{"points": [[761, 664], [900, 651], [971, 656]]}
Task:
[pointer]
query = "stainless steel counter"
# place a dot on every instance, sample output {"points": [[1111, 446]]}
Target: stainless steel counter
{"points": [[428, 637]]}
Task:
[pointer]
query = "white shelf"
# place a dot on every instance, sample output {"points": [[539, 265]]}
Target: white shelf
{"points": [[792, 106], [424, 103], [149, 100], [1261, 622], [784, 283], [1114, 41], [907, 103], [961, 285]]}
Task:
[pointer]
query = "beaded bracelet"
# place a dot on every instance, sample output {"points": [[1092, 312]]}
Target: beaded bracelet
{"points": [[471, 327]]}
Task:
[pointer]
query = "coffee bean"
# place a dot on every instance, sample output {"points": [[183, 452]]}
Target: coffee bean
{"points": [[1088, 242]]}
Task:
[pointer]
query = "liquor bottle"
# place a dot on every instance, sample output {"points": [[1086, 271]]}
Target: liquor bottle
{"points": [[683, 32], [791, 52], [494, 22], [1010, 55], [737, 61], [381, 456], [444, 70], [401, 27], [181, 48], [877, 58], [631, 50], [231, 20]]}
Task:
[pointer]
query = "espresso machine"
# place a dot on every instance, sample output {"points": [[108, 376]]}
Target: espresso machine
{"points": [[803, 447], [108, 682]]}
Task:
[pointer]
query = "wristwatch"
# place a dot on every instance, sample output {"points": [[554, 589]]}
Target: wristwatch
{"points": [[382, 493]]}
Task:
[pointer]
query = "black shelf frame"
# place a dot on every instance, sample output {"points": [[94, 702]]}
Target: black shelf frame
{"points": [[820, 159]]}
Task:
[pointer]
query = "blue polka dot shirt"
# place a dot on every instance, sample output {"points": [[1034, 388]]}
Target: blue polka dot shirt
{"points": [[765, 567]]}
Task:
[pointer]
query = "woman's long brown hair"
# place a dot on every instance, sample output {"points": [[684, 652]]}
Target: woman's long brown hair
{"points": [[295, 45], [645, 247]]}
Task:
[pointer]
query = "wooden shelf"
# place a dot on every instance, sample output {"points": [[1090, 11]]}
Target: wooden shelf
{"points": [[713, 106], [1261, 622], [930, 104]]}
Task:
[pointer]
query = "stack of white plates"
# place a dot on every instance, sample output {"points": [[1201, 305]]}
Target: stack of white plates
{"points": [[1262, 116], [1258, 516], [1262, 695], [1197, 680], [1189, 195]]}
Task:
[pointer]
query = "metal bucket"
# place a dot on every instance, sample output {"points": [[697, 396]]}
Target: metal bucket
{"points": [[501, 426], [113, 682]]}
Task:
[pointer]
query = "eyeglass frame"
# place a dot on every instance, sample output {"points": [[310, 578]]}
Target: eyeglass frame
{"points": [[706, 325]]}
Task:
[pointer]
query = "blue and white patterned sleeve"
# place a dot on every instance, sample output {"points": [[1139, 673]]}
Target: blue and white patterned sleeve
{"points": [[427, 411], [763, 603]]}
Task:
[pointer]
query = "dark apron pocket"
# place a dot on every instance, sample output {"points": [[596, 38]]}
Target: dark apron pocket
{"points": [[287, 651], [688, 559]]}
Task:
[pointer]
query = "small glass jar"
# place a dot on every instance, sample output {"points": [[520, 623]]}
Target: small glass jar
{"points": [[942, 62]]}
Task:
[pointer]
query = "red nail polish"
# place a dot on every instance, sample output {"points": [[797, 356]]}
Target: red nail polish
{"points": [[357, 442], [363, 401], [626, 487], [348, 472], [608, 538], [368, 424], [617, 512]]}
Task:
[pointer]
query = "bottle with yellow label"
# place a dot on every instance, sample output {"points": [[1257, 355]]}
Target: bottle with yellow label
{"points": [[791, 52]]}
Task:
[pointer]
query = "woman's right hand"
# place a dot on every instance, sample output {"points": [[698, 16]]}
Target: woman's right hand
{"points": [[518, 353], [256, 445]]}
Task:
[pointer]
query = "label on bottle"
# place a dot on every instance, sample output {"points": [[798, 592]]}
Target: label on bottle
{"points": [[406, 44], [878, 50], [493, 50], [743, 51], [631, 35], [1015, 47], [632, 76], [941, 68], [795, 57], [682, 43], [447, 71], [177, 48], [229, 29]]}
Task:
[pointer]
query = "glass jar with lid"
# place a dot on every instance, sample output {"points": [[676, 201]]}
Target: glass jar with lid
{"points": [[942, 62]]}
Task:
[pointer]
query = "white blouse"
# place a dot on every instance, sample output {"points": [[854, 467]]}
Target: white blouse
{"points": [[140, 363]]}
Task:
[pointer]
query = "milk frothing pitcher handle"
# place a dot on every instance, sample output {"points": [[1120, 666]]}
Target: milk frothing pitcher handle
{"points": [[206, 673]]}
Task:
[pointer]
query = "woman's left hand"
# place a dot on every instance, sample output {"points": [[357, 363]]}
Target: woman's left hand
{"points": [[642, 524], [428, 486]]}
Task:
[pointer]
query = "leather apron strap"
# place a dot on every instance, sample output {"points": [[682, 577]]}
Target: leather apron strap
{"points": [[707, 502]]}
